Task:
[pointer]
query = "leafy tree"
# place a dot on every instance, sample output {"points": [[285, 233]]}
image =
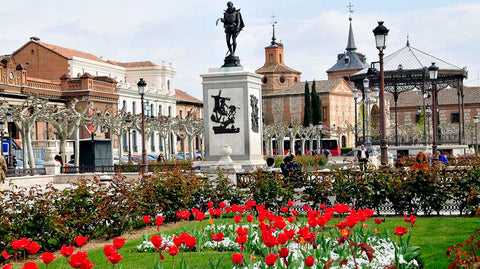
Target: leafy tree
{"points": [[307, 117], [316, 106]]}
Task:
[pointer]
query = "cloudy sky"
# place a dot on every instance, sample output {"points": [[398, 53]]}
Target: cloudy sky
{"points": [[183, 32]]}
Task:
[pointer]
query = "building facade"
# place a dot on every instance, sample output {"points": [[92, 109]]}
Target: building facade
{"points": [[51, 63]]}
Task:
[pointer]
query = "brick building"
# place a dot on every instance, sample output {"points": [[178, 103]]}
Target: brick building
{"points": [[16, 84], [284, 100], [188, 105]]}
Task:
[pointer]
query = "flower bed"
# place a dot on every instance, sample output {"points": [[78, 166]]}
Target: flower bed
{"points": [[287, 240]]}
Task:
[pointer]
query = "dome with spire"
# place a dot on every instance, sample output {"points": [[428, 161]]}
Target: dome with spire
{"points": [[348, 62]]}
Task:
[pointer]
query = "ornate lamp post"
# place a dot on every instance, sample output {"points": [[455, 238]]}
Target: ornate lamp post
{"points": [[10, 155], [381, 33], [433, 74], [428, 113], [355, 97], [129, 126], [475, 121], [142, 85]]}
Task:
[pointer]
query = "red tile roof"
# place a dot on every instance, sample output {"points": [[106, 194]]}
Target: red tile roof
{"points": [[69, 53], [185, 97]]}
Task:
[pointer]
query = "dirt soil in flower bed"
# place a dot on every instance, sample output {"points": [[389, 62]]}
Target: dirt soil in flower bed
{"points": [[101, 242]]}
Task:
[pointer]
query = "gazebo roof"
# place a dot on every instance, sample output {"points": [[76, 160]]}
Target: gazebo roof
{"points": [[407, 68]]}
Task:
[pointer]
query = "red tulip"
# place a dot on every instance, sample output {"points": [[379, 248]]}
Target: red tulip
{"points": [[108, 250], [114, 258], [32, 248], [200, 216], [87, 264], [378, 221], [309, 261], [241, 231], [7, 266], [5, 255], [222, 205], [250, 218], [172, 250], [284, 252], [81, 241], [146, 219], [67, 251], [290, 203], [400, 230], [241, 240], [237, 218], [48, 257], [270, 259], [156, 241], [190, 241], [237, 258], [30, 265], [77, 259], [218, 237], [118, 242], [159, 220], [210, 204], [183, 214]]}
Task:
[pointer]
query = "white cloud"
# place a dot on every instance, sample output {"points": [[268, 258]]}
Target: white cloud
{"points": [[184, 32]]}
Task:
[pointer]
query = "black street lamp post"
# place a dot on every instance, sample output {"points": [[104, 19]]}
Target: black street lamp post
{"points": [[433, 74], [381, 33], [142, 85]]}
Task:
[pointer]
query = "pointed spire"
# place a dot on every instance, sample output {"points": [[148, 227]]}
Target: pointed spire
{"points": [[273, 26], [408, 41], [351, 41]]}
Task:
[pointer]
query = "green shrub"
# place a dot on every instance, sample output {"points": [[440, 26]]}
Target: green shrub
{"points": [[345, 150]]}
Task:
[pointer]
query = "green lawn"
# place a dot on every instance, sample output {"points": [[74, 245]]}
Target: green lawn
{"points": [[433, 234]]}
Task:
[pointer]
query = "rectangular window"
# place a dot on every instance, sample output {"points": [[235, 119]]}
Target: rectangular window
{"points": [[181, 114], [159, 110], [455, 116], [134, 141], [324, 114], [271, 58]]}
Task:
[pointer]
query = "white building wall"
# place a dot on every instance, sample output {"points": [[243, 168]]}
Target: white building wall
{"points": [[160, 93]]}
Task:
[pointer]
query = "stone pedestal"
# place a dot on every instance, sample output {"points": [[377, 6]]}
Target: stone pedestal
{"points": [[52, 167], [232, 100]]}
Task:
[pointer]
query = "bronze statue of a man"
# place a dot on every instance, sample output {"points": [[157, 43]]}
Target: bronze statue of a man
{"points": [[233, 24]]}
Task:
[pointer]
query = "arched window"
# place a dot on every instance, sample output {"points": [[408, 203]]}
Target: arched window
{"points": [[169, 111], [124, 105], [151, 110], [134, 111], [160, 142], [168, 85], [159, 110], [152, 142]]}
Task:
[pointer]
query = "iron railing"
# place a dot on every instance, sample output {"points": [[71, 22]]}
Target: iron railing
{"points": [[124, 168]]}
